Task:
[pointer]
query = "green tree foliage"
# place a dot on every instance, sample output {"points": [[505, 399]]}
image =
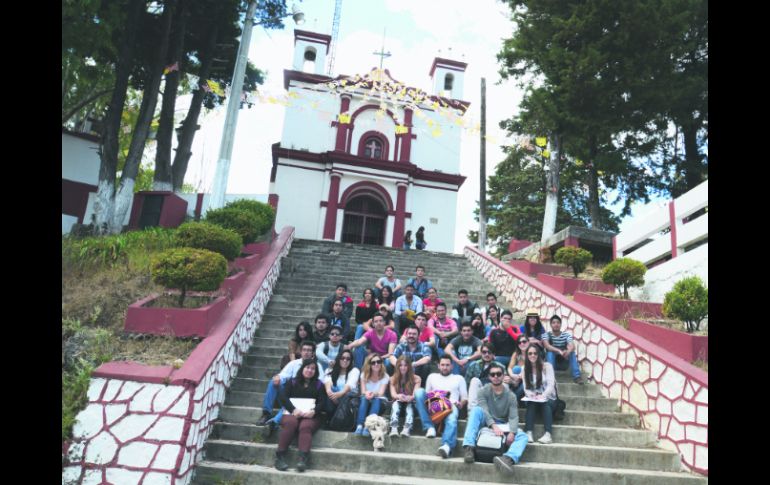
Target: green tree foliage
{"points": [[624, 273], [576, 258], [264, 212], [688, 301], [202, 235], [189, 269], [245, 223]]}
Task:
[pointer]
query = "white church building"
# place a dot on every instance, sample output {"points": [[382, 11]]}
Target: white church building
{"points": [[358, 179]]}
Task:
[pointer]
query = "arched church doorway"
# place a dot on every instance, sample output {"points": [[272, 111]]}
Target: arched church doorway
{"points": [[364, 221]]}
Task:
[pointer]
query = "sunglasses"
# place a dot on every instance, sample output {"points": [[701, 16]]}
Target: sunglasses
{"points": [[523, 341], [495, 374], [376, 362]]}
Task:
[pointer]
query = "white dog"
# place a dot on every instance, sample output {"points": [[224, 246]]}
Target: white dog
{"points": [[377, 426]]}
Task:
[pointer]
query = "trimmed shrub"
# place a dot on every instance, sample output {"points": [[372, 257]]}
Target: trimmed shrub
{"points": [[203, 235], [624, 273], [189, 269], [688, 301], [264, 212], [245, 223], [576, 258]]}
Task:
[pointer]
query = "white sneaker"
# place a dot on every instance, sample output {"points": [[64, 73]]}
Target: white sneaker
{"points": [[545, 439], [393, 431], [431, 433], [530, 438], [444, 451], [405, 433]]}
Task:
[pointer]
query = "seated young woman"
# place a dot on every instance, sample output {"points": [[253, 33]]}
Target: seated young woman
{"points": [[374, 383], [429, 303], [539, 393], [403, 385], [340, 380], [297, 422], [303, 331], [516, 367], [387, 315], [387, 298], [365, 310]]}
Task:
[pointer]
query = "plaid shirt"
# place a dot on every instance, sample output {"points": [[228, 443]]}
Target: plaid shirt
{"points": [[420, 351], [476, 369]]}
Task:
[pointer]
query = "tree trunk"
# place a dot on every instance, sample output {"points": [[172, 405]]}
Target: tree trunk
{"points": [[163, 178], [108, 149], [693, 167], [142, 128], [93, 97], [190, 123], [593, 185], [552, 187]]}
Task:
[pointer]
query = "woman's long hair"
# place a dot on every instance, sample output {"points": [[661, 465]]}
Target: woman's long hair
{"points": [[517, 354], [539, 329], [529, 382], [372, 304], [496, 320], [405, 381], [408, 237], [308, 329], [300, 378], [389, 298], [368, 367], [337, 369]]}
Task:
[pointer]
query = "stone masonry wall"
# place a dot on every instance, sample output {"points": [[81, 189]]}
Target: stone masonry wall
{"points": [[135, 432], [669, 394]]}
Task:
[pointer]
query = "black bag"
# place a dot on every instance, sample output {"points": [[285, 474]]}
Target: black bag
{"points": [[488, 446], [344, 417], [558, 408]]}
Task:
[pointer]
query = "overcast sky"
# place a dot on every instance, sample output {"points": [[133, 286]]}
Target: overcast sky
{"points": [[417, 32]]}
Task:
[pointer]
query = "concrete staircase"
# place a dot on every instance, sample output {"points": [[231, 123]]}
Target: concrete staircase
{"points": [[594, 444]]}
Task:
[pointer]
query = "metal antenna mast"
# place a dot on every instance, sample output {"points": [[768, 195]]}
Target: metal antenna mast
{"points": [[335, 33]]}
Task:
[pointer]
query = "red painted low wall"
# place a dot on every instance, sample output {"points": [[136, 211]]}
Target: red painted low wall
{"points": [[518, 244], [233, 284], [181, 322], [569, 286], [533, 269], [248, 263], [687, 346], [256, 248], [618, 309]]}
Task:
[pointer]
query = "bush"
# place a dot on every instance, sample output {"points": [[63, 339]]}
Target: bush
{"points": [[577, 258], [189, 269], [108, 251], [264, 212], [624, 273], [202, 235], [245, 223], [688, 301]]}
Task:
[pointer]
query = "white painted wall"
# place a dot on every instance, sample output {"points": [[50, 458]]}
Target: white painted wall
{"points": [[661, 279], [439, 76], [299, 119], [436, 153], [367, 121], [79, 159], [432, 203], [299, 199], [300, 46], [67, 222]]}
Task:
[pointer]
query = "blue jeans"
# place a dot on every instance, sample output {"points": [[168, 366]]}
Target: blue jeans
{"points": [[270, 394], [375, 404], [476, 421], [518, 390], [503, 359], [456, 369], [449, 436], [329, 405], [547, 408], [439, 349], [551, 357]]}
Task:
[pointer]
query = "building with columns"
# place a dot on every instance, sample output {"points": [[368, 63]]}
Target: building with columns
{"points": [[377, 170]]}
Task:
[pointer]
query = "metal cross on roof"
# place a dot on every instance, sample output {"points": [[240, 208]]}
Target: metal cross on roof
{"points": [[382, 52]]}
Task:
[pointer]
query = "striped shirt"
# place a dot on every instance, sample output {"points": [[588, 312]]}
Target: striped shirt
{"points": [[559, 342]]}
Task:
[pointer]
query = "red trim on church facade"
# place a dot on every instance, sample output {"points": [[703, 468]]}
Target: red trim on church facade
{"points": [[312, 36], [399, 223], [381, 138], [364, 187], [330, 224], [342, 128], [448, 64], [406, 144]]}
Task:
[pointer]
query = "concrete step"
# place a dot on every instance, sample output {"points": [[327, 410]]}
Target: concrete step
{"points": [[579, 435], [433, 466], [217, 473], [361, 278], [558, 452], [246, 408]]}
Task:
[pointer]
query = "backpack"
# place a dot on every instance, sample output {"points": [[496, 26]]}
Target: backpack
{"points": [[344, 417], [439, 406]]}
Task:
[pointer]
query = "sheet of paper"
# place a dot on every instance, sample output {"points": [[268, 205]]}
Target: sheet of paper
{"points": [[303, 404]]}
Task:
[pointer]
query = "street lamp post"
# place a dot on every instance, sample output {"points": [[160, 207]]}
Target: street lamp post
{"points": [[222, 173]]}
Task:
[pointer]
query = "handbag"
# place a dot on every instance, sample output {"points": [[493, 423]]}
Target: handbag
{"points": [[344, 417], [439, 406], [489, 445], [558, 408]]}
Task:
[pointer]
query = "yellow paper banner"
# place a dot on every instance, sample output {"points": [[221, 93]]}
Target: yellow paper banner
{"points": [[401, 129], [541, 141]]}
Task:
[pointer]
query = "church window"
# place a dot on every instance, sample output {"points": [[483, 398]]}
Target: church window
{"points": [[448, 81], [309, 65], [373, 148]]}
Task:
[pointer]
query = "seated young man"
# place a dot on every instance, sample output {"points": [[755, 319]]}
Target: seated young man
{"points": [[407, 306], [477, 375], [337, 318], [465, 309], [498, 409], [381, 341], [455, 385], [443, 327], [418, 352], [340, 293], [307, 351], [504, 343], [321, 329], [463, 349], [388, 280], [430, 302], [326, 352], [387, 316], [420, 283], [560, 349]]}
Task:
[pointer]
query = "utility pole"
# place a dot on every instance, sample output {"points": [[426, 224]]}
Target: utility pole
{"points": [[483, 169], [219, 188]]}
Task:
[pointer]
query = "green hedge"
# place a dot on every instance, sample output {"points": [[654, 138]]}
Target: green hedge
{"points": [[264, 212], [576, 258], [203, 235], [688, 301], [189, 269], [245, 223], [624, 273]]}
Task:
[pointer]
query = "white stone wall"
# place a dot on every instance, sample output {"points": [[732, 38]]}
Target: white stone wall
{"points": [[300, 192], [436, 152], [310, 129], [661, 279], [79, 160], [134, 432], [670, 398], [367, 121], [437, 204]]}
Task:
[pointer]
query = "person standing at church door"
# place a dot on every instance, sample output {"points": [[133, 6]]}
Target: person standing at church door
{"points": [[420, 238], [408, 240]]}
